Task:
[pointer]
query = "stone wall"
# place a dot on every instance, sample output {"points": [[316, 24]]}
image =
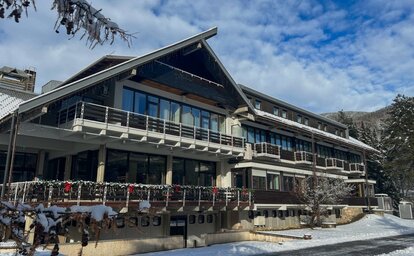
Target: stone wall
{"points": [[350, 214]]}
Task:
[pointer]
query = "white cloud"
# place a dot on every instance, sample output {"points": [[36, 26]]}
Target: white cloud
{"points": [[318, 56]]}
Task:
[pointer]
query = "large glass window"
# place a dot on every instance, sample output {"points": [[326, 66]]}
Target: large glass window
{"points": [[165, 109], [187, 117], [140, 103], [175, 112], [128, 100], [123, 166], [84, 165], [259, 182], [288, 183], [152, 106], [116, 166], [272, 181], [193, 172], [24, 167], [155, 106]]}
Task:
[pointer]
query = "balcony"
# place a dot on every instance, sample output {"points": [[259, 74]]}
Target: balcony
{"points": [[335, 164], [303, 157], [266, 150], [121, 195], [357, 168], [125, 125], [275, 197]]}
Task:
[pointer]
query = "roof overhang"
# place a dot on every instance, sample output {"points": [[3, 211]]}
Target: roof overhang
{"points": [[98, 77]]}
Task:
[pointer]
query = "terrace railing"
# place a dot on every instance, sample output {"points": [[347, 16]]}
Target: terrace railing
{"points": [[123, 194], [357, 168], [303, 157], [265, 149], [108, 115], [334, 163]]}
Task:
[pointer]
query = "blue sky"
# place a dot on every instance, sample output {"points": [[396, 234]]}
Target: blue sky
{"points": [[320, 55]]}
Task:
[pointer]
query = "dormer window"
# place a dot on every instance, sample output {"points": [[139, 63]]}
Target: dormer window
{"points": [[299, 119], [306, 121], [258, 104], [276, 111], [325, 127], [319, 125], [336, 131], [284, 113]]}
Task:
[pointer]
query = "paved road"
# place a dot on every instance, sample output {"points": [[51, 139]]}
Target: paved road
{"points": [[363, 248]]}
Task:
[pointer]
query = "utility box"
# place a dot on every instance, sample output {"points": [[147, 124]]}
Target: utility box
{"points": [[406, 210], [384, 202]]}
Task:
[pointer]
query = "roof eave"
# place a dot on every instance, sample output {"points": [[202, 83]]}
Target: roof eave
{"points": [[110, 72]]}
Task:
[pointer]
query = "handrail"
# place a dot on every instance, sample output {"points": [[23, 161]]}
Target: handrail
{"points": [[109, 114]]}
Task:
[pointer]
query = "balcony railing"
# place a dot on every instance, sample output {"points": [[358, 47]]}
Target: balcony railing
{"points": [[334, 164], [357, 168], [303, 157], [267, 150], [125, 194], [126, 119]]}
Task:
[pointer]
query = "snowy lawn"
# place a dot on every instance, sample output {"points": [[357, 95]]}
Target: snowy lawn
{"points": [[371, 226]]}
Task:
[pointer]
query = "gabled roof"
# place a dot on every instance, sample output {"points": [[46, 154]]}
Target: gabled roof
{"points": [[10, 99], [290, 106], [100, 76], [13, 71]]}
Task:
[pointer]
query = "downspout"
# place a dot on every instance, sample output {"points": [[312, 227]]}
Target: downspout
{"points": [[8, 157], [368, 202]]}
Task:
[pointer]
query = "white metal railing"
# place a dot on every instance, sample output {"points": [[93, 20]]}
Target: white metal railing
{"points": [[109, 115], [268, 149], [303, 156], [334, 163], [356, 167]]}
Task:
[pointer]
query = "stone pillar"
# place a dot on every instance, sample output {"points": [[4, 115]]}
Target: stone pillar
{"points": [[168, 176], [40, 163], [223, 173], [68, 167], [100, 172]]}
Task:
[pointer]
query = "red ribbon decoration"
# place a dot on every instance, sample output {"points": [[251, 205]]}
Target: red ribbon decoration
{"points": [[68, 187], [215, 190], [131, 188], [177, 189]]}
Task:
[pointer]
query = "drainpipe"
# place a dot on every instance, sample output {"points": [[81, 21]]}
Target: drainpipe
{"points": [[9, 153], [368, 203]]}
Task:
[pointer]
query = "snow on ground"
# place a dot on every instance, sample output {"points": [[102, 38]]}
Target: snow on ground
{"points": [[371, 226], [404, 252]]}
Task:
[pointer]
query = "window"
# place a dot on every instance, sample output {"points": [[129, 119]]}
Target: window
{"points": [[166, 109], [191, 219], [123, 166], [258, 104], [299, 119], [266, 213], [84, 165], [342, 134], [325, 127], [319, 125], [145, 221], [284, 113], [259, 182], [336, 132], [287, 213], [156, 221], [194, 172], [274, 213], [272, 181], [200, 219], [210, 218], [276, 111], [306, 121], [280, 214]]}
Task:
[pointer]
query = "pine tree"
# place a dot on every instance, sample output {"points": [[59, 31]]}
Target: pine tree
{"points": [[399, 144], [348, 121]]}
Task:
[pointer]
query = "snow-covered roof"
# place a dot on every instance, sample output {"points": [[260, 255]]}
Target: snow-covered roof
{"points": [[10, 99], [350, 141]]}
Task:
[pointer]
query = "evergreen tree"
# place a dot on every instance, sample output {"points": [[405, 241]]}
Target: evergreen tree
{"points": [[348, 121], [399, 144]]}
